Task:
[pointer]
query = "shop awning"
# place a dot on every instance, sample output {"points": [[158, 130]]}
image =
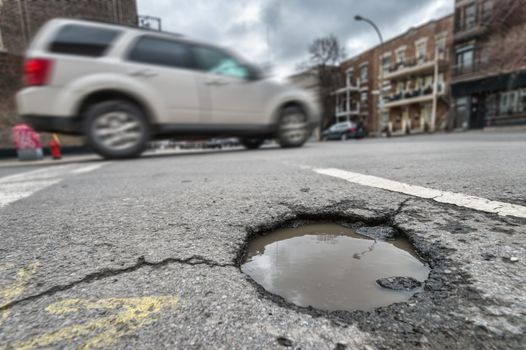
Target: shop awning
{"points": [[502, 82]]}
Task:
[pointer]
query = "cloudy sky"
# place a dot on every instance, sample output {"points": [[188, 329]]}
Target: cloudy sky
{"points": [[280, 30]]}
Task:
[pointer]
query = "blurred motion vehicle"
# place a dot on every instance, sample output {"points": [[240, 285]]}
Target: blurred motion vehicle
{"points": [[344, 131], [122, 86]]}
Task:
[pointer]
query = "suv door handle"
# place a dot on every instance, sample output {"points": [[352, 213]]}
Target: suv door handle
{"points": [[145, 73], [216, 82]]}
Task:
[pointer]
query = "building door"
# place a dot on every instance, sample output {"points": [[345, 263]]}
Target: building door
{"points": [[427, 116], [477, 118], [462, 113]]}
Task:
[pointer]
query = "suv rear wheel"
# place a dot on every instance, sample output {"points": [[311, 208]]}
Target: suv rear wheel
{"points": [[293, 128], [117, 129]]}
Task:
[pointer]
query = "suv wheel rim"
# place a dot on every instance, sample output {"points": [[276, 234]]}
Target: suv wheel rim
{"points": [[117, 130], [294, 127]]}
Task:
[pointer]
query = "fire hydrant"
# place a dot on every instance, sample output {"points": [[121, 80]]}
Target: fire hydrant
{"points": [[54, 145]]}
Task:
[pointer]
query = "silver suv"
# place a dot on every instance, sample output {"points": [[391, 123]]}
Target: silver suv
{"points": [[123, 86]]}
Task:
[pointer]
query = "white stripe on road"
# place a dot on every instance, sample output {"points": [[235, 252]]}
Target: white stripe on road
{"points": [[89, 168], [16, 187], [459, 199]]}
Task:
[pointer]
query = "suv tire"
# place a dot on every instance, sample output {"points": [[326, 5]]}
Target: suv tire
{"points": [[116, 129], [252, 143], [293, 128]]}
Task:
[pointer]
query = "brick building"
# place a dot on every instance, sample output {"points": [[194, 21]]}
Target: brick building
{"points": [[489, 73], [21, 19], [355, 101], [416, 77], [414, 70]]}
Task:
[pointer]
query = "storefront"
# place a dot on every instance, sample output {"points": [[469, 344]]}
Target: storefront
{"points": [[491, 101]]}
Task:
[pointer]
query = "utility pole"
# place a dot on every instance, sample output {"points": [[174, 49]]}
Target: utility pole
{"points": [[435, 95], [381, 82]]}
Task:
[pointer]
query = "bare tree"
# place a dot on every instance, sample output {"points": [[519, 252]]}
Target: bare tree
{"points": [[325, 55], [326, 51], [505, 44]]}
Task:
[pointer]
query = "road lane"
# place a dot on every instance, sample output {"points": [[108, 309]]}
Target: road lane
{"points": [[174, 226]]}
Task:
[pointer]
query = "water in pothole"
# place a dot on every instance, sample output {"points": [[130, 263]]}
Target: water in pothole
{"points": [[331, 267]]}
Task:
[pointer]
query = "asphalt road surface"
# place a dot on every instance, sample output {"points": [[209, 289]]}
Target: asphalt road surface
{"points": [[145, 253]]}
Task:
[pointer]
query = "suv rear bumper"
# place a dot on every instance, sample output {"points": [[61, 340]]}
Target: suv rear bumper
{"points": [[63, 125]]}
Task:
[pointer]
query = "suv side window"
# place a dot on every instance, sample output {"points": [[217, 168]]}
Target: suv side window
{"points": [[80, 40], [159, 51], [215, 61]]}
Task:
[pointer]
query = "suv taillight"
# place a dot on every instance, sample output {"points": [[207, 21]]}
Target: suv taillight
{"points": [[37, 71]]}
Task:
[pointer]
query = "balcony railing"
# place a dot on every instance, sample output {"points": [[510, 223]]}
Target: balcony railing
{"points": [[352, 85], [354, 108], [465, 31], [413, 96], [413, 66], [408, 63], [475, 68], [410, 94]]}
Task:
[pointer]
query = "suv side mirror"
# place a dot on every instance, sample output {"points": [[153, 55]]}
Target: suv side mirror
{"points": [[254, 73]]}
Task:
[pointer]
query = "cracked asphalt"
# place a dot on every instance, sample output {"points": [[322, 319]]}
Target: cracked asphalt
{"points": [[145, 253]]}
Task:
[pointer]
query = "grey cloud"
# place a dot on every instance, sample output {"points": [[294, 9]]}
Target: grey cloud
{"points": [[291, 24]]}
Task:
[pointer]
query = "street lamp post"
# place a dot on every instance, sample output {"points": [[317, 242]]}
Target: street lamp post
{"points": [[380, 84]]}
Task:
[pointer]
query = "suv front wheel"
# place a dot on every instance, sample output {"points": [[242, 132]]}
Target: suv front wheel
{"points": [[116, 129], [293, 128]]}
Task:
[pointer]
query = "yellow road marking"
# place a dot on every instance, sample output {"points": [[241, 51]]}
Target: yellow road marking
{"points": [[6, 266], [104, 331], [9, 294]]}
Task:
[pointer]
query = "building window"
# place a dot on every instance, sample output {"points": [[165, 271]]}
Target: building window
{"points": [[504, 103], [487, 9], [350, 74], [421, 51], [364, 97], [386, 64], [441, 84], [386, 89], [400, 87], [400, 56], [509, 102], [441, 48], [470, 16], [464, 59], [364, 73], [2, 48], [419, 83], [491, 105]]}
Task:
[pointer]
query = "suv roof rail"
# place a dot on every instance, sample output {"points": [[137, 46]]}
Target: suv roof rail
{"points": [[136, 27]]}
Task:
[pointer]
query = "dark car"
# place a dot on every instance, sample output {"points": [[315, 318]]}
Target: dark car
{"points": [[344, 131]]}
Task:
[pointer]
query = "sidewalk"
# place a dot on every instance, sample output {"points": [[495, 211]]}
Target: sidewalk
{"points": [[12, 162], [86, 158]]}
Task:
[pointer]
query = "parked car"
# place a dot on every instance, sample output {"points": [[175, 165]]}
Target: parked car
{"points": [[344, 131], [215, 143], [122, 86]]}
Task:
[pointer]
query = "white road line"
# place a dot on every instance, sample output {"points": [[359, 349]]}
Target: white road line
{"points": [[459, 199], [18, 186], [89, 168]]}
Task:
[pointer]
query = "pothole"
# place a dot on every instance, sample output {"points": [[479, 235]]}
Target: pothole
{"points": [[332, 267]]}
